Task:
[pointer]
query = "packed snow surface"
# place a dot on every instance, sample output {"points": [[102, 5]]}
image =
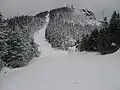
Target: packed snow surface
{"points": [[58, 70]]}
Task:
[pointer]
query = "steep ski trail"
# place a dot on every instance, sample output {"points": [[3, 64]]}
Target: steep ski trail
{"points": [[44, 47]]}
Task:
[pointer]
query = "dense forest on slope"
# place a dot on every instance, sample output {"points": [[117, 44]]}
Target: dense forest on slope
{"points": [[67, 25], [17, 46], [106, 40]]}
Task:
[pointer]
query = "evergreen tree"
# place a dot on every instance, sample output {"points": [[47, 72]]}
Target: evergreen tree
{"points": [[1, 64], [3, 44], [117, 33], [100, 41], [19, 50], [113, 23], [17, 46], [105, 24], [84, 45], [14, 49], [1, 18], [114, 28]]}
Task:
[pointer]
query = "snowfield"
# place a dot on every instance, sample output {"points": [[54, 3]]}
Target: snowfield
{"points": [[58, 70]]}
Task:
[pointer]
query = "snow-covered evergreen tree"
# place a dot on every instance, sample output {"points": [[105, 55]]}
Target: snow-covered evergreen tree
{"points": [[17, 46]]}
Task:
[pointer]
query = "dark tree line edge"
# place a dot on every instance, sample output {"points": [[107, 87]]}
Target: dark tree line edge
{"points": [[106, 40]]}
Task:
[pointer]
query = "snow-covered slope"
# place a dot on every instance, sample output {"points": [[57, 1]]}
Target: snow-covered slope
{"points": [[58, 70]]}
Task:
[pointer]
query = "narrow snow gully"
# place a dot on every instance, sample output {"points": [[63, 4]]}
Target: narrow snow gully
{"points": [[44, 47]]}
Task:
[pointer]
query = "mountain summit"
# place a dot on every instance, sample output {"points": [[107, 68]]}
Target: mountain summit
{"points": [[68, 24]]}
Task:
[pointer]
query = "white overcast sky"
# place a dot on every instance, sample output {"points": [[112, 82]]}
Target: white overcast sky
{"points": [[16, 7]]}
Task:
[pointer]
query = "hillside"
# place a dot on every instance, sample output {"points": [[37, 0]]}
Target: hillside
{"points": [[68, 24], [58, 70], [17, 46]]}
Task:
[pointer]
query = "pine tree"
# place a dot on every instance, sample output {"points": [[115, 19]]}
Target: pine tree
{"points": [[1, 18], [117, 34], [114, 28], [3, 44], [84, 44], [113, 23], [93, 40], [15, 48], [1, 64], [107, 35], [102, 40]]}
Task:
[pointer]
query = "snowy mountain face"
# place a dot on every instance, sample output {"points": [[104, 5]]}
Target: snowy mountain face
{"points": [[67, 25]]}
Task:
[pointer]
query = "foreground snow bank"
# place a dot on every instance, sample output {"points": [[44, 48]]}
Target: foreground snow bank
{"points": [[76, 71]]}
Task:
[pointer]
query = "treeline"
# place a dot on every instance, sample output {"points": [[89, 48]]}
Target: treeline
{"points": [[106, 40], [17, 46]]}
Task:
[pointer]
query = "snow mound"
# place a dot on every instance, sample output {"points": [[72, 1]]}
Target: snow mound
{"points": [[78, 71]]}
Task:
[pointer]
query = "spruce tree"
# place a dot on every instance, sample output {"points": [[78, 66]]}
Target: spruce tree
{"points": [[1, 18], [84, 44], [113, 23], [114, 28], [117, 34], [1, 64], [15, 50]]}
